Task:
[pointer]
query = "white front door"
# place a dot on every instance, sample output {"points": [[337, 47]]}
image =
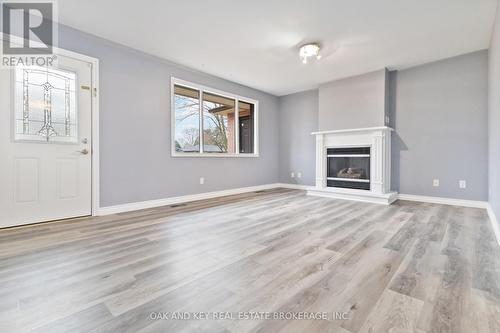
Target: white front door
{"points": [[45, 142]]}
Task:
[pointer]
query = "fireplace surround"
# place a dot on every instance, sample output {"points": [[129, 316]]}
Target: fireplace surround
{"points": [[354, 164]]}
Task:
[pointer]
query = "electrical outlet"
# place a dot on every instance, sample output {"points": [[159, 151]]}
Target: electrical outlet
{"points": [[299, 175], [435, 183], [292, 174], [462, 184], [202, 180]]}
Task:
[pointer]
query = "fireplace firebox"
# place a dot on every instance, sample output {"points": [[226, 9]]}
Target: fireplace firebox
{"points": [[348, 168]]}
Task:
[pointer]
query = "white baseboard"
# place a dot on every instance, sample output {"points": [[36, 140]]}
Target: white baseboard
{"points": [[494, 222], [175, 200], [444, 201], [411, 197], [296, 186]]}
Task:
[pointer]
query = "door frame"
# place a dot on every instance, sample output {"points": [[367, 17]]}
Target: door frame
{"points": [[94, 62]]}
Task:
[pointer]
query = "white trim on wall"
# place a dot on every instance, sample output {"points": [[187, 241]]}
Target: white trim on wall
{"points": [[494, 222], [180, 199], [207, 195], [95, 138], [204, 89], [412, 197], [296, 186], [443, 201]]}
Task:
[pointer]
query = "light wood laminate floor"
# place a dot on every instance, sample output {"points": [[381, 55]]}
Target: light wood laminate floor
{"points": [[408, 267]]}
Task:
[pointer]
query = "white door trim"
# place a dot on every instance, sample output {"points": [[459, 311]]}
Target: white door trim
{"points": [[95, 114]]}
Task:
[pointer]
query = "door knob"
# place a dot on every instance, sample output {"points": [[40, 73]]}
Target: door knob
{"points": [[84, 151]]}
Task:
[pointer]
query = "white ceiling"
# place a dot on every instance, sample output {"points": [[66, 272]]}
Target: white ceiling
{"points": [[255, 42]]}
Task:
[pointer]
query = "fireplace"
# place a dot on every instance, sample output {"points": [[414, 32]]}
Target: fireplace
{"points": [[348, 168], [354, 164]]}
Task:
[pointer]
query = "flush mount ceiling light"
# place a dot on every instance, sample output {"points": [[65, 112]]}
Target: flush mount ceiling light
{"points": [[309, 50]]}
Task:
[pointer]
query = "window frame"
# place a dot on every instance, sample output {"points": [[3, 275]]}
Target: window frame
{"points": [[204, 89]]}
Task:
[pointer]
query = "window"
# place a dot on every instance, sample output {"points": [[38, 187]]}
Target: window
{"points": [[45, 105], [207, 122], [187, 119], [246, 126], [218, 124]]}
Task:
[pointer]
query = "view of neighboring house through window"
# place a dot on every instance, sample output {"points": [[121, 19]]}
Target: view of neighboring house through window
{"points": [[211, 123], [218, 124]]}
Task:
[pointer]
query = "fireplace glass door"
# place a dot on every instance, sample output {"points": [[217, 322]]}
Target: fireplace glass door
{"points": [[349, 168]]}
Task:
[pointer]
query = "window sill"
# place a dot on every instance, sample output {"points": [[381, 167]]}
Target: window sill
{"points": [[216, 155]]}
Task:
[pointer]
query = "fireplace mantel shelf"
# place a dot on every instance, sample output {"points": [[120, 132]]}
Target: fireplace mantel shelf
{"points": [[353, 130]]}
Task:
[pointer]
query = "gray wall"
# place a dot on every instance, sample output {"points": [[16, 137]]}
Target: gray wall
{"points": [[440, 117], [355, 102], [439, 111], [135, 128], [432, 107], [494, 117], [298, 118]]}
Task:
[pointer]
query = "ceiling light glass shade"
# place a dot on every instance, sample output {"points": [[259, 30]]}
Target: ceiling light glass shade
{"points": [[309, 50]]}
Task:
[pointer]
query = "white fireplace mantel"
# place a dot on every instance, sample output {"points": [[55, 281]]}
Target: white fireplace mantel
{"points": [[379, 141]]}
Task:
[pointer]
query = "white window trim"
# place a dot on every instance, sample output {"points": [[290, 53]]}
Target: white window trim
{"points": [[204, 89]]}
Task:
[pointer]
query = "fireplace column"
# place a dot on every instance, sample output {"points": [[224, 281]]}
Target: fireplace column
{"points": [[320, 162]]}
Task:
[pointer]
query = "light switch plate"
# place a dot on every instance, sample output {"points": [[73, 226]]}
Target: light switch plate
{"points": [[435, 183], [462, 184]]}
